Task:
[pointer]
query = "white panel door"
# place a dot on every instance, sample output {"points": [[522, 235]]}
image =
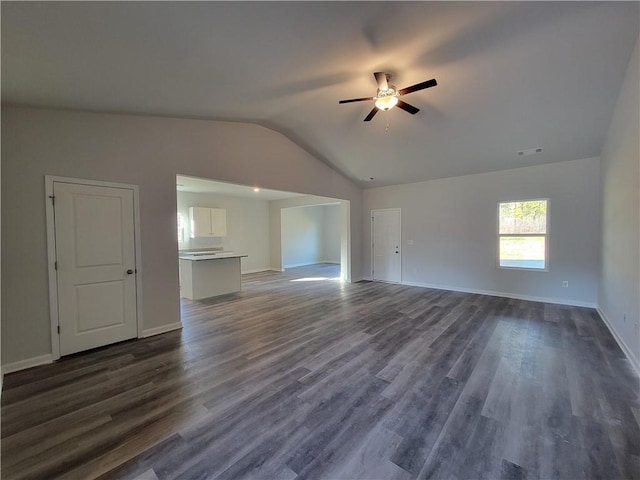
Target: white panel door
{"points": [[95, 254], [386, 255]]}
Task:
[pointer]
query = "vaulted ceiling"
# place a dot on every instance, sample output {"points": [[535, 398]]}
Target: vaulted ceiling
{"points": [[511, 75]]}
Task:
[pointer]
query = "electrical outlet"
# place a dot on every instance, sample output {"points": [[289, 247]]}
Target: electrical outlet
{"points": [[409, 242], [565, 283]]}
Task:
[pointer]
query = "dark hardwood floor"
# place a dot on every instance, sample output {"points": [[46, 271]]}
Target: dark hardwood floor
{"points": [[302, 376]]}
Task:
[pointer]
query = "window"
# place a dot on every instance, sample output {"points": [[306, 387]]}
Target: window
{"points": [[180, 229], [522, 234]]}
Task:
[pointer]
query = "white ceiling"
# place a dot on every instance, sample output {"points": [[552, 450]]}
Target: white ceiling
{"points": [[202, 185], [511, 75]]}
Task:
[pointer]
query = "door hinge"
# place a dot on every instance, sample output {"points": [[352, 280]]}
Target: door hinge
{"points": [[55, 265], [58, 329], [53, 199]]}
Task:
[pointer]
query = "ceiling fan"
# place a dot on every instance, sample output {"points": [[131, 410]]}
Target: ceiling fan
{"points": [[388, 95]]}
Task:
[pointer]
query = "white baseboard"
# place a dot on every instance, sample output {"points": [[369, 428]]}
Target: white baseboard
{"points": [[273, 269], [27, 363], [163, 329], [330, 262], [627, 351], [299, 265], [255, 270], [559, 301]]}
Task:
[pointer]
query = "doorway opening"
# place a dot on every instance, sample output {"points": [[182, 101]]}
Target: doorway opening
{"points": [[261, 227]]}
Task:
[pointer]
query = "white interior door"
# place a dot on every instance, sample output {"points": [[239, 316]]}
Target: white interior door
{"points": [[95, 255], [386, 254]]}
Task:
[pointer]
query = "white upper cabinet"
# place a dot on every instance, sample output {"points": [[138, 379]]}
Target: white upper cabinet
{"points": [[208, 222]]}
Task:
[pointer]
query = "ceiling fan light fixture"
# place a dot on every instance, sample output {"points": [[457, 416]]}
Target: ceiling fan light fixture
{"points": [[387, 99], [388, 96]]}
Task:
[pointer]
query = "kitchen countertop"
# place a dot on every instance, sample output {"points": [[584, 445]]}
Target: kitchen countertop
{"points": [[213, 256]]}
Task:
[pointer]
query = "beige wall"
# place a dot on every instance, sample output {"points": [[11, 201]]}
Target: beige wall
{"points": [[141, 150], [453, 225], [619, 292]]}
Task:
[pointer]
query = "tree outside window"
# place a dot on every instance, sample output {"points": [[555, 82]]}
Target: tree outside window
{"points": [[523, 234]]}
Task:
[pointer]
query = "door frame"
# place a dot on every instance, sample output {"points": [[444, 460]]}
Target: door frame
{"points": [[49, 180], [399, 210]]}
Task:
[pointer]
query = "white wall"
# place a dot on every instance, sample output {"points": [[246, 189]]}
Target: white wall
{"points": [[142, 150], [247, 227], [310, 235], [619, 292], [344, 208], [301, 236], [331, 234], [453, 225]]}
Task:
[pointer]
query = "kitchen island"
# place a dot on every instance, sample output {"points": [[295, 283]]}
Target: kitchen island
{"points": [[204, 275]]}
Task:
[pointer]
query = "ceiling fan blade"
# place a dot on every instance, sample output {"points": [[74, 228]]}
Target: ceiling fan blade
{"points": [[418, 86], [371, 114], [407, 108], [382, 80], [364, 99]]}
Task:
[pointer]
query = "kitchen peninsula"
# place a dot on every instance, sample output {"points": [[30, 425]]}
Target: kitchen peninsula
{"points": [[208, 274]]}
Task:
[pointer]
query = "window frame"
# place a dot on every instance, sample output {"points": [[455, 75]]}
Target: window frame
{"points": [[180, 227], [545, 235]]}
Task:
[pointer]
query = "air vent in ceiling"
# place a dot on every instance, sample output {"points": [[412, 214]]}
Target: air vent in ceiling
{"points": [[530, 151]]}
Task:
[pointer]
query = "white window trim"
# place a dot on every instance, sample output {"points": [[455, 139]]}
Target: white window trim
{"points": [[546, 235]]}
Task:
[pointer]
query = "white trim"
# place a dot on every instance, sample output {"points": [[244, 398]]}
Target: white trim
{"points": [[27, 363], [138, 246], [357, 279], [559, 301], [51, 252], [345, 240], [331, 262], [627, 351], [273, 269], [545, 235], [150, 332], [304, 264], [51, 259], [255, 270]]}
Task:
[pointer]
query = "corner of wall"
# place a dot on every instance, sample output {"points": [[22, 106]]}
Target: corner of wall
{"points": [[635, 363], [619, 274]]}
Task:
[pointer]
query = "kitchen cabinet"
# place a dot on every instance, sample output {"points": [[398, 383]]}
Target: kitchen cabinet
{"points": [[207, 222], [204, 276]]}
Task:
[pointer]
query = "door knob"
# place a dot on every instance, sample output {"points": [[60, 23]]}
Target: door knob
{"points": [[129, 272]]}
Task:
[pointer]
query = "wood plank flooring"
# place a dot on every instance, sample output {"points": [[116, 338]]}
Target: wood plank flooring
{"points": [[302, 376]]}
